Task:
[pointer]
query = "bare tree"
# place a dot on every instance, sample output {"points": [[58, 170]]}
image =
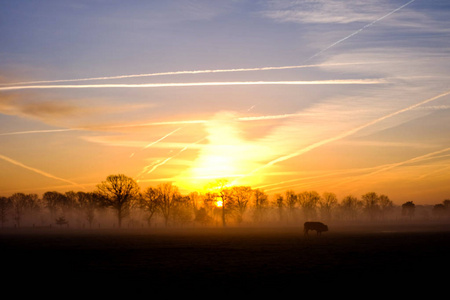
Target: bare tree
{"points": [[291, 201], [23, 204], [88, 203], [386, 205], [183, 212], [5, 207], [261, 204], [240, 197], [327, 203], [224, 193], [439, 210], [118, 192], [308, 202], [168, 195], [350, 205], [408, 209], [371, 204], [55, 202], [148, 202], [279, 203], [210, 208]]}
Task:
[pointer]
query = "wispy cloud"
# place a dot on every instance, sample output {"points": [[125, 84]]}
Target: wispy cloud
{"points": [[361, 29], [327, 11], [12, 105]]}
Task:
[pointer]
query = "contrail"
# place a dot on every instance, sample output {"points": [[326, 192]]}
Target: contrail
{"points": [[159, 140], [348, 133], [394, 165], [189, 72], [359, 30], [15, 162], [159, 163], [40, 131], [194, 84], [181, 122]]}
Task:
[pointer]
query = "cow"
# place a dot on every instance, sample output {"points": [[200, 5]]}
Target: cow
{"points": [[317, 226]]}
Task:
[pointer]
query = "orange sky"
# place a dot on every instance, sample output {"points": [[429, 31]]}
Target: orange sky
{"points": [[347, 100]]}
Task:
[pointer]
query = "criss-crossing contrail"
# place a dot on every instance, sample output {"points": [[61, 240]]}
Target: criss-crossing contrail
{"points": [[162, 138], [195, 84], [359, 30], [158, 140], [40, 172], [394, 165], [348, 133], [162, 123], [159, 163]]}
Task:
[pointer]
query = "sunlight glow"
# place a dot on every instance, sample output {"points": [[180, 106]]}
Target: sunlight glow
{"points": [[226, 155]]}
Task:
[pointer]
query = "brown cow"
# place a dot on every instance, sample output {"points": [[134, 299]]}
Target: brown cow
{"points": [[317, 226]]}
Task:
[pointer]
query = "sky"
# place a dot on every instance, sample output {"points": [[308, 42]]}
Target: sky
{"points": [[334, 96]]}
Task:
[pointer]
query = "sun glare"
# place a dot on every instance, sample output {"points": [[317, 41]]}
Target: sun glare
{"points": [[226, 155]]}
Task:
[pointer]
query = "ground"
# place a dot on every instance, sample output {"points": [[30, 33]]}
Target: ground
{"points": [[225, 259]]}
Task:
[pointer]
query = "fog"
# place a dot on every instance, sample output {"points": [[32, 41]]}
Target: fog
{"points": [[191, 221]]}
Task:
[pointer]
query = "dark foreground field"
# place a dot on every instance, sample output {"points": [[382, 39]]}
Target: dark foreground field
{"points": [[226, 259]]}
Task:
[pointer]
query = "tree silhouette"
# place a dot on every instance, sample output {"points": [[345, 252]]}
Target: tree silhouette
{"points": [[167, 198], [291, 201], [88, 203], [309, 202], [224, 193], [279, 204], [408, 209], [350, 206], [385, 204], [148, 202], [183, 210], [327, 203], [61, 221], [439, 210], [371, 204], [261, 203], [121, 193], [240, 197], [54, 201], [118, 191], [5, 207], [22, 204]]}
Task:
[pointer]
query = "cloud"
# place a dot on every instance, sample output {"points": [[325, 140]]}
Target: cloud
{"points": [[326, 11], [43, 110]]}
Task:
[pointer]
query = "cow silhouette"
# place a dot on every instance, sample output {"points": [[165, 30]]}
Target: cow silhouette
{"points": [[317, 226]]}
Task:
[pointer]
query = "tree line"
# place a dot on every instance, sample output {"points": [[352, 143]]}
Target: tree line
{"points": [[120, 198]]}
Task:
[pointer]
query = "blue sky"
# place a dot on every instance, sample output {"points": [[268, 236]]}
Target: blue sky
{"points": [[341, 96]]}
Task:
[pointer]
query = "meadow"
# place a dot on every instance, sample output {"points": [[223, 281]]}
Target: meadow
{"points": [[252, 259]]}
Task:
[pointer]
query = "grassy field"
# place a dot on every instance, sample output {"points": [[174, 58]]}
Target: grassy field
{"points": [[226, 259]]}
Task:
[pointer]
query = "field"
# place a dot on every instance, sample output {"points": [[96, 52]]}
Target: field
{"points": [[227, 259]]}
